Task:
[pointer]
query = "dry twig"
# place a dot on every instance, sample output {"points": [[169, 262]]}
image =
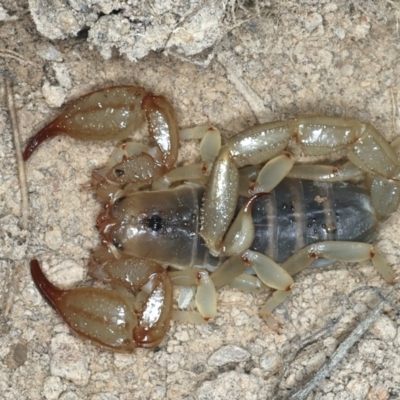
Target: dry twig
{"points": [[343, 349], [18, 154]]}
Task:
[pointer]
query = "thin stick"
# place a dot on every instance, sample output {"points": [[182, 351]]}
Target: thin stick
{"points": [[18, 155], [343, 349], [6, 53]]}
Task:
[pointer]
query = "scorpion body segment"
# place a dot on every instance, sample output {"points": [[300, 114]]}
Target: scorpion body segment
{"points": [[247, 215], [164, 226]]}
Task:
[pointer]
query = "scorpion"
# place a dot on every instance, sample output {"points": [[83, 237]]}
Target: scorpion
{"points": [[246, 215]]}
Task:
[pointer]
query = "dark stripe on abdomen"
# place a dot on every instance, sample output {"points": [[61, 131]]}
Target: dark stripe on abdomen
{"points": [[300, 212]]}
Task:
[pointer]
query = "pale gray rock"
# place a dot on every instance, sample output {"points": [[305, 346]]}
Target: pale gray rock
{"points": [[67, 361], [62, 75], [233, 385], [135, 28], [228, 354], [4, 16], [53, 237], [50, 53], [52, 388], [56, 19], [54, 95]]}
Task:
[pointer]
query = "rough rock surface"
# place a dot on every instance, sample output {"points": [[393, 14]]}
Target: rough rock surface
{"points": [[284, 59], [135, 28]]}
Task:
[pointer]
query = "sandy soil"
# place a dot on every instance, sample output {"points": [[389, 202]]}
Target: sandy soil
{"points": [[306, 57]]}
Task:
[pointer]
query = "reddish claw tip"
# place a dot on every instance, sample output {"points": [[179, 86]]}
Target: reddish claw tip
{"points": [[47, 132], [45, 287]]}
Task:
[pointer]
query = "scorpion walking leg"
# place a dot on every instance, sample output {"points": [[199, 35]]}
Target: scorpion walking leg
{"points": [[367, 151], [272, 173], [268, 272], [247, 283], [220, 201], [210, 146], [326, 173], [339, 251], [206, 296]]}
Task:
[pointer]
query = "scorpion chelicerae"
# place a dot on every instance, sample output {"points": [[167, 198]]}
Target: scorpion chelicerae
{"points": [[246, 215]]}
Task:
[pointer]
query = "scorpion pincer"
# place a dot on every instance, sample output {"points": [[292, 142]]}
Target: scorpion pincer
{"points": [[246, 215]]}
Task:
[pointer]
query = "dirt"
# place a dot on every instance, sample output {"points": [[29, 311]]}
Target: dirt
{"points": [[270, 61]]}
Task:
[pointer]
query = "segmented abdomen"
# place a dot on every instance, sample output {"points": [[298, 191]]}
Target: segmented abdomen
{"points": [[300, 212]]}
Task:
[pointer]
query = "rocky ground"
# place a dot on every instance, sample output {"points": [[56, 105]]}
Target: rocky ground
{"points": [[230, 64]]}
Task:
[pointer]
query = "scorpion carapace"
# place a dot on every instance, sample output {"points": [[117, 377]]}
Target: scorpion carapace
{"points": [[246, 215]]}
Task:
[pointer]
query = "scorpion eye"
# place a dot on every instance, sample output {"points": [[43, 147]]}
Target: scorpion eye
{"points": [[116, 244], [118, 172], [155, 222]]}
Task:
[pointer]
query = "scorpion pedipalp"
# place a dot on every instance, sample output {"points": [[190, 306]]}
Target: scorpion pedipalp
{"points": [[163, 127], [107, 114], [108, 317], [113, 114]]}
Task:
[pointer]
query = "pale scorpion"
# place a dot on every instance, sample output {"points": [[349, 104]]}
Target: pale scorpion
{"points": [[245, 215]]}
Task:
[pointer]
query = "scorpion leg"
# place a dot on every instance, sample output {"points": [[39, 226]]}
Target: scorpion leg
{"points": [[339, 251], [206, 296], [191, 173], [220, 201], [210, 146], [367, 149], [240, 235], [367, 152], [247, 283], [229, 270], [191, 317], [258, 144], [272, 173], [108, 317], [326, 173], [268, 273], [385, 195]]}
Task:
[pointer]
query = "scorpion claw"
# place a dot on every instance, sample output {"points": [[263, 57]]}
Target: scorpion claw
{"points": [[108, 317], [107, 114], [51, 293], [163, 127], [39, 138]]}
